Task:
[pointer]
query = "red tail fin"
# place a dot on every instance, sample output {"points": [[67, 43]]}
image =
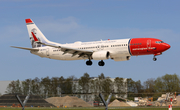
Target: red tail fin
{"points": [[28, 21]]}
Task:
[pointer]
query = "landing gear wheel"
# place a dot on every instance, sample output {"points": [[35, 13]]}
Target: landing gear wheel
{"points": [[101, 63], [154, 58], [89, 62]]}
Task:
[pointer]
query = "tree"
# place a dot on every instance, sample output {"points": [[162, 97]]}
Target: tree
{"points": [[95, 85], [149, 85], [61, 84], [25, 86], [99, 82], [54, 83], [138, 88], [35, 86], [131, 89], [101, 76], [84, 83], [119, 83], [107, 85], [74, 84], [159, 87], [46, 86], [171, 82], [67, 88], [167, 83], [14, 87], [131, 86]]}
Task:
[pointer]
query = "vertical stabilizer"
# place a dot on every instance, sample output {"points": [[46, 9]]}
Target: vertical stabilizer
{"points": [[33, 29]]}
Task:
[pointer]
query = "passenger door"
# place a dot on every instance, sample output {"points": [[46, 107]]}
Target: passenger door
{"points": [[148, 45], [47, 51]]}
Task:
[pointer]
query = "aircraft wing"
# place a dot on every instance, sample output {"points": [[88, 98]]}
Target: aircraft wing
{"points": [[72, 51], [25, 48]]}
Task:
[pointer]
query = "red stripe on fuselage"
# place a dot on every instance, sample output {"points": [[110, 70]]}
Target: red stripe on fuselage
{"points": [[147, 46]]}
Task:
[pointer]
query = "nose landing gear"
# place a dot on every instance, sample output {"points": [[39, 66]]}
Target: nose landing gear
{"points": [[154, 58]]}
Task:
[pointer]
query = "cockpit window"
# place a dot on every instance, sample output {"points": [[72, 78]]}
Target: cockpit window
{"points": [[162, 42], [158, 42]]}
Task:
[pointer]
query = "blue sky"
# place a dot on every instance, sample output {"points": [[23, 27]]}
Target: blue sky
{"points": [[68, 21]]}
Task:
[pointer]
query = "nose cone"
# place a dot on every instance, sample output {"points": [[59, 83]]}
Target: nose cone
{"points": [[166, 46]]}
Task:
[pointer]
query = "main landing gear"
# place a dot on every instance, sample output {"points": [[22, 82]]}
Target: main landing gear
{"points": [[100, 63], [89, 62]]}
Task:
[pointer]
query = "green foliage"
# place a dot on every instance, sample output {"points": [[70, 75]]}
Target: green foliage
{"points": [[119, 83], [107, 85], [14, 87], [149, 86], [101, 76], [168, 83], [55, 86], [84, 82]]}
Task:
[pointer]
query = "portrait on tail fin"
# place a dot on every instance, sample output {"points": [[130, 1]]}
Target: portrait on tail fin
{"points": [[33, 43]]}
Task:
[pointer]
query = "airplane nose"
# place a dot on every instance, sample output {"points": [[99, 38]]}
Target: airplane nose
{"points": [[166, 46]]}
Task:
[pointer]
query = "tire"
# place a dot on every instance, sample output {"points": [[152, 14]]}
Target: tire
{"points": [[101, 63], [89, 63], [154, 58]]}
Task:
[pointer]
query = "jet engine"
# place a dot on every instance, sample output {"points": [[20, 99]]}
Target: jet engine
{"points": [[122, 58], [100, 55]]}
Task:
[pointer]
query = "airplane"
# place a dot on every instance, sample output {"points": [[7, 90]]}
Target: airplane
{"points": [[117, 50]]}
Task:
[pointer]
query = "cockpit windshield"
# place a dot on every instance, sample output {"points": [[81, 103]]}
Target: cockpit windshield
{"points": [[158, 42]]}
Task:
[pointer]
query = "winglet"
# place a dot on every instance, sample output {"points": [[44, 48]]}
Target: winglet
{"points": [[35, 38], [28, 21]]}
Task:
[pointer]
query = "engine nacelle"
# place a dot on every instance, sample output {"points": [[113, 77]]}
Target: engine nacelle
{"points": [[100, 55], [122, 58]]}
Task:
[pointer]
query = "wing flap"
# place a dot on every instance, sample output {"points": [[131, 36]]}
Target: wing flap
{"points": [[26, 48]]}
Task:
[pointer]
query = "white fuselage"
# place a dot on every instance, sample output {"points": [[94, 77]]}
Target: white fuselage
{"points": [[117, 48]]}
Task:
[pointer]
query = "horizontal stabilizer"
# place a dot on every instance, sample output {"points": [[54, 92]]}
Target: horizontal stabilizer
{"points": [[26, 48]]}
